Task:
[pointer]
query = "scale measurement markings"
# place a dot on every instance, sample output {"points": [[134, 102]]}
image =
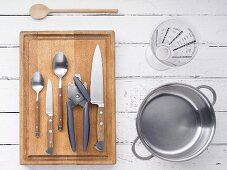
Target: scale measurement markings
{"points": [[189, 56], [165, 35], [176, 37], [184, 45], [156, 41]]}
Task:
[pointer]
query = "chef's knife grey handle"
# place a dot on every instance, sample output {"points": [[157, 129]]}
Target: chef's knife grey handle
{"points": [[50, 135], [70, 125], [86, 126], [60, 110], [37, 120], [100, 125]]}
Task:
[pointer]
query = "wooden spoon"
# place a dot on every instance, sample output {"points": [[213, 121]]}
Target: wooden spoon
{"points": [[40, 11]]}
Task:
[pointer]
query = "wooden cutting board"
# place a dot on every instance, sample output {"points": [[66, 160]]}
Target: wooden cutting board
{"points": [[37, 50]]}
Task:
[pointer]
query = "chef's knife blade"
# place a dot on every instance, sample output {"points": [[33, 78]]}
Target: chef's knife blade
{"points": [[96, 93], [49, 112]]}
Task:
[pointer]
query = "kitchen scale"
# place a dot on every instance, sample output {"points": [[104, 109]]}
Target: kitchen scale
{"points": [[173, 44]]}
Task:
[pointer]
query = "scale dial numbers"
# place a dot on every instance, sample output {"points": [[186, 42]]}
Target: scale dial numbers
{"points": [[174, 43]]}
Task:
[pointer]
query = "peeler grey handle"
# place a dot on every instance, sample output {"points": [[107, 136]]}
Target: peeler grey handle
{"points": [[86, 126], [70, 125]]}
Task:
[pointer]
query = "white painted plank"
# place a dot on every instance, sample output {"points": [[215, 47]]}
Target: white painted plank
{"points": [[128, 29], [131, 62], [9, 63], [126, 129], [135, 7], [212, 159], [9, 128], [209, 62], [129, 92], [9, 96]]}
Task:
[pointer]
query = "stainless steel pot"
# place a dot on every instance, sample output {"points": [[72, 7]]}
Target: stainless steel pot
{"points": [[175, 122]]}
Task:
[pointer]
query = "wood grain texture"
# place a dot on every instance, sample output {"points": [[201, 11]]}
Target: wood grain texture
{"points": [[37, 52], [101, 124], [60, 110], [37, 120]]}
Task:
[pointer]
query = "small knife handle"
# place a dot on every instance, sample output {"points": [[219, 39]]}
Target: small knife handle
{"points": [[50, 135], [60, 110], [100, 124], [37, 120]]}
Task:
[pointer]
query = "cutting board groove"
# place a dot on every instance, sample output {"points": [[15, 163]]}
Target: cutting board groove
{"points": [[37, 50]]}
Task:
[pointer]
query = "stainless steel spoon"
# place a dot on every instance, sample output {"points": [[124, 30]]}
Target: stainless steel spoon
{"points": [[60, 66], [37, 86]]}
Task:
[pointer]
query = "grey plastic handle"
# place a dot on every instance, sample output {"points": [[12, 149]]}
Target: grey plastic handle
{"points": [[86, 126], [136, 154], [211, 90], [70, 125], [81, 88]]}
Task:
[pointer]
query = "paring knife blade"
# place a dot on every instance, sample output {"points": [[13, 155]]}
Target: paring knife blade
{"points": [[49, 112], [96, 93]]}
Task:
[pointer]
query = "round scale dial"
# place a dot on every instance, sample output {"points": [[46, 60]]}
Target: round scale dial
{"points": [[173, 43]]}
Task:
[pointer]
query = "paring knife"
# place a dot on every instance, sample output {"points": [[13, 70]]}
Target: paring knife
{"points": [[49, 112], [96, 93]]}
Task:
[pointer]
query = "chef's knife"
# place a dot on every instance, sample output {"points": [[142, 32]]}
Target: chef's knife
{"points": [[49, 112], [96, 90]]}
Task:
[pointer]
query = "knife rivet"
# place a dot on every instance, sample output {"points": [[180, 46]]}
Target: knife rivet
{"points": [[50, 120], [77, 96], [50, 131], [101, 123], [101, 112]]}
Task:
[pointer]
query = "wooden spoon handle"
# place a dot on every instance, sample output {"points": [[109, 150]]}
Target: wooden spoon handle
{"points": [[60, 110], [37, 119], [83, 11]]}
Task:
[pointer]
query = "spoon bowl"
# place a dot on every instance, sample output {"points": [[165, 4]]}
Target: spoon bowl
{"points": [[39, 11], [60, 64], [37, 82]]}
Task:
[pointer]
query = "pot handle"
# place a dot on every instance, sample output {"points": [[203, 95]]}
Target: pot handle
{"points": [[211, 90], [134, 151]]}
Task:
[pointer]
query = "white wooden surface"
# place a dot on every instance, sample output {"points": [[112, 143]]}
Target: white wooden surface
{"points": [[134, 78]]}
